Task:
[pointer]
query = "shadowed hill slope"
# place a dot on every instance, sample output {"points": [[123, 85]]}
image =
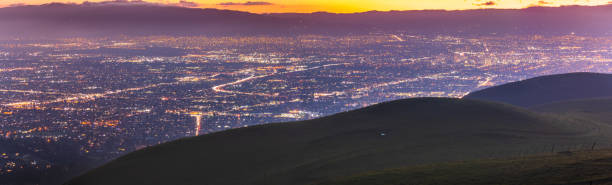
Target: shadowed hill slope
{"points": [[548, 89], [563, 168], [598, 109], [387, 135]]}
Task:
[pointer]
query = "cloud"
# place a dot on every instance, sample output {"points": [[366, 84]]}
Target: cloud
{"points": [[248, 3], [488, 3], [117, 2], [17, 5], [541, 3], [190, 4]]}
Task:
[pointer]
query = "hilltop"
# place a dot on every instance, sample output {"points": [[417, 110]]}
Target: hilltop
{"points": [[548, 89], [388, 135]]}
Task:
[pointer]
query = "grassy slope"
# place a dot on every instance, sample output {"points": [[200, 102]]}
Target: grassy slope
{"points": [[585, 167], [548, 89], [599, 109], [416, 131]]}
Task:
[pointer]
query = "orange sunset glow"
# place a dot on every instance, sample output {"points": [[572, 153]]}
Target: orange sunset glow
{"points": [[340, 6]]}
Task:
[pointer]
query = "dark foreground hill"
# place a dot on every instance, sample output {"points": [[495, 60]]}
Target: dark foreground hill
{"points": [[597, 109], [568, 168], [383, 136], [548, 89]]}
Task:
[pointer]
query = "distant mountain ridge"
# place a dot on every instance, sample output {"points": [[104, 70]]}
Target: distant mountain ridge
{"points": [[80, 20], [56, 20], [548, 89]]}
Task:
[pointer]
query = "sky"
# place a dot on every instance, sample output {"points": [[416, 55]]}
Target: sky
{"points": [[339, 6]]}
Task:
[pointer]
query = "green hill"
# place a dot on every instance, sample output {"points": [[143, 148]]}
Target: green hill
{"points": [[598, 109], [548, 89], [388, 135], [563, 168]]}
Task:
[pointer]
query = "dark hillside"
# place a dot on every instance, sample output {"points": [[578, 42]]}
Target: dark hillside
{"points": [[388, 135], [563, 168], [599, 109], [548, 89]]}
